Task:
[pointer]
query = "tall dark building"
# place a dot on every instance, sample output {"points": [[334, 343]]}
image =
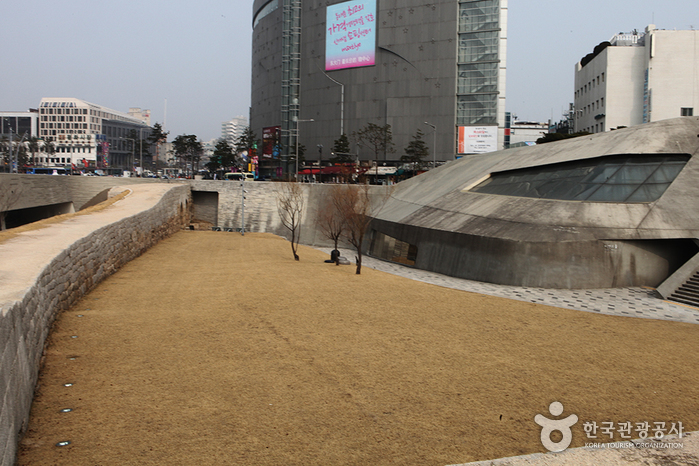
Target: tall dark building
{"points": [[410, 64]]}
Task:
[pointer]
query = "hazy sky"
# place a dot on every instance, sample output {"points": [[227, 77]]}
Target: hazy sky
{"points": [[196, 54]]}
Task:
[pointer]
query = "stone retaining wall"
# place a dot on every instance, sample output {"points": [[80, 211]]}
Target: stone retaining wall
{"points": [[261, 213], [25, 320]]}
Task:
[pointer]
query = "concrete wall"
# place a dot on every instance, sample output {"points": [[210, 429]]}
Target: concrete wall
{"points": [[85, 251], [545, 264], [42, 190], [261, 207]]}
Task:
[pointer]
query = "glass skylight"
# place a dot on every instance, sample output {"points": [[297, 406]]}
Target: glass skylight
{"points": [[618, 178]]}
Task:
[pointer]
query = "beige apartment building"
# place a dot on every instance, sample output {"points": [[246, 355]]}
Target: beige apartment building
{"points": [[637, 78]]}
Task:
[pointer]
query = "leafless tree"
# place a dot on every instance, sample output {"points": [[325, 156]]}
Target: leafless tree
{"points": [[290, 209], [357, 208], [329, 218]]}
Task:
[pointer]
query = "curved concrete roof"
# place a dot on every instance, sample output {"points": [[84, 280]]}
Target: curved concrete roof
{"points": [[439, 199]]}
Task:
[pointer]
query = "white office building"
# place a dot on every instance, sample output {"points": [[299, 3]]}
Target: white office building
{"points": [[233, 129], [637, 78], [87, 135]]}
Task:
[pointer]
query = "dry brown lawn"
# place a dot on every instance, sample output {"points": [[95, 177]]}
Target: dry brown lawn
{"points": [[213, 348]]}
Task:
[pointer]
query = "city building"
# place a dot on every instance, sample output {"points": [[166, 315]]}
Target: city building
{"points": [[637, 78], [143, 115], [437, 66], [19, 123], [525, 133], [232, 130], [87, 135]]}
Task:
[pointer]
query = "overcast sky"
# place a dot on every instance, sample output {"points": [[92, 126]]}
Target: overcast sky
{"points": [[196, 54]]}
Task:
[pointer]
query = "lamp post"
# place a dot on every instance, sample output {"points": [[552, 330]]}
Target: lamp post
{"points": [[342, 101], [297, 145], [242, 219], [434, 145]]}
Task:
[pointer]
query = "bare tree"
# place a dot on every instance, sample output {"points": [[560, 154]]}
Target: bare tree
{"points": [[377, 138], [329, 218], [357, 209], [290, 209]]}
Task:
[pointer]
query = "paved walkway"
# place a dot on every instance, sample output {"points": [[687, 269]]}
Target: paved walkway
{"points": [[629, 302]]}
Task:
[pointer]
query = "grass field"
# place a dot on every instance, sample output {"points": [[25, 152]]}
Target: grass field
{"points": [[216, 348]]}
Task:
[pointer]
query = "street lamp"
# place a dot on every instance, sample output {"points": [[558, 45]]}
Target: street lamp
{"points": [[434, 145], [342, 101], [297, 144]]}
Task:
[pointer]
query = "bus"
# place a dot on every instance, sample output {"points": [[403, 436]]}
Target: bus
{"points": [[48, 171]]}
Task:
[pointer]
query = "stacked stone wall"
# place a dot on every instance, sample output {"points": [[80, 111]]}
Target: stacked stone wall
{"points": [[26, 322]]}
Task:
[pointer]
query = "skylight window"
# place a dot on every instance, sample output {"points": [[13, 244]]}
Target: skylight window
{"points": [[618, 178]]}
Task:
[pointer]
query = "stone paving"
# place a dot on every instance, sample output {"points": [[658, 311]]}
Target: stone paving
{"points": [[629, 302]]}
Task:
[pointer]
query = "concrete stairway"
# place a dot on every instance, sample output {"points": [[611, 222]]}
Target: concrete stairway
{"points": [[688, 292], [683, 285]]}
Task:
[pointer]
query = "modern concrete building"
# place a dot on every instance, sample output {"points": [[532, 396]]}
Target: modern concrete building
{"points": [[409, 64], [637, 78], [614, 209], [88, 135], [19, 123], [231, 130]]}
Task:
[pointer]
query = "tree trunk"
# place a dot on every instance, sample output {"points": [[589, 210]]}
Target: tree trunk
{"points": [[359, 262], [294, 246]]}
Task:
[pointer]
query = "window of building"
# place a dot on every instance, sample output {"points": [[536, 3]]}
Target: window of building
{"points": [[478, 47], [687, 111], [478, 78], [477, 110], [479, 16], [391, 249], [619, 178]]}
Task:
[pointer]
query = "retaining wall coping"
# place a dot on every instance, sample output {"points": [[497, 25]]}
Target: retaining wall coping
{"points": [[24, 257]]}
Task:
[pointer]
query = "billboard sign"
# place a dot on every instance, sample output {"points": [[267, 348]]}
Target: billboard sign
{"points": [[270, 141], [350, 35], [478, 139]]}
